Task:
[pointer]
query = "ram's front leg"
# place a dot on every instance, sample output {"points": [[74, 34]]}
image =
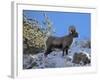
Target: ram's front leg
{"points": [[63, 53], [67, 51]]}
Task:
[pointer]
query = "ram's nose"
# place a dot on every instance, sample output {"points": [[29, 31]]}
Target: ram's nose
{"points": [[76, 34]]}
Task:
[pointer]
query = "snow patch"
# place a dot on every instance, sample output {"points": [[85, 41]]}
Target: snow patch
{"points": [[55, 58]]}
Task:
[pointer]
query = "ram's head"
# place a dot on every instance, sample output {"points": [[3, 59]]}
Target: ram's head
{"points": [[72, 31]]}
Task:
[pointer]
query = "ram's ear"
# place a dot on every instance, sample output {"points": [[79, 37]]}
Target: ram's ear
{"points": [[72, 29]]}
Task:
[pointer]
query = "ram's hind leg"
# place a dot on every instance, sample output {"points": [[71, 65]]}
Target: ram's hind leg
{"points": [[47, 52], [45, 56]]}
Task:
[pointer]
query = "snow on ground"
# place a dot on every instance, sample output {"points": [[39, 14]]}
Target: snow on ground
{"points": [[55, 58]]}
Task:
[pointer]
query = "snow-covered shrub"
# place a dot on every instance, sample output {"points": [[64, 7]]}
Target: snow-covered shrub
{"points": [[34, 36]]}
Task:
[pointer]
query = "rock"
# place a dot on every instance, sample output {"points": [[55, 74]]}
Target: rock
{"points": [[28, 62], [81, 58]]}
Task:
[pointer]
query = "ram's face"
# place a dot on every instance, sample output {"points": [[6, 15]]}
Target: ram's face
{"points": [[75, 34], [72, 30]]}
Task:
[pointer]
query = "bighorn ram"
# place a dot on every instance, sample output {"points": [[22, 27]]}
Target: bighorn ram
{"points": [[62, 43]]}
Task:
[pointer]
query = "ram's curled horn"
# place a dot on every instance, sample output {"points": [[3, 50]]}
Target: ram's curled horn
{"points": [[72, 29]]}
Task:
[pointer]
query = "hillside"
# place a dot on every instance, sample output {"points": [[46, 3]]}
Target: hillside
{"points": [[55, 59]]}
